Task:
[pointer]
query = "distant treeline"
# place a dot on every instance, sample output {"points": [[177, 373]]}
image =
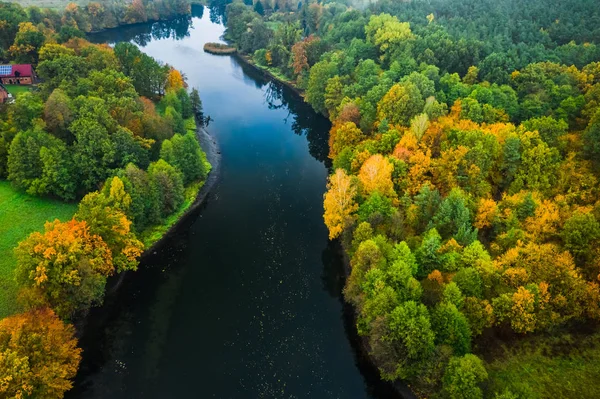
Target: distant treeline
{"points": [[74, 19]]}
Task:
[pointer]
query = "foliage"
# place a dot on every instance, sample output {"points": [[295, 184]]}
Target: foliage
{"points": [[66, 266], [38, 355]]}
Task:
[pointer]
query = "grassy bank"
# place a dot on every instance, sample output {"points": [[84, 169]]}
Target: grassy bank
{"points": [[20, 215], [560, 366]]}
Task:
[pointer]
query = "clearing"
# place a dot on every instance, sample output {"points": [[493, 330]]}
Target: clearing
{"points": [[20, 215]]}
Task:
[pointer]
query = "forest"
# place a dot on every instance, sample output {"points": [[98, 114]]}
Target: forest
{"points": [[107, 140], [465, 146]]}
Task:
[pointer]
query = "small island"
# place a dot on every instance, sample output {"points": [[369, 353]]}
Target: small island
{"points": [[219, 49]]}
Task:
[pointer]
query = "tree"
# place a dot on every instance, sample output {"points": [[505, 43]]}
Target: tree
{"points": [[339, 203], [27, 108], [111, 224], [580, 233], [66, 266], [537, 170], [94, 152], [197, 105], [403, 341], [342, 136], [259, 8], [167, 181], [451, 327], [392, 37], [58, 115], [549, 129], [184, 153], [428, 257], [453, 218], [38, 355], [419, 125], [376, 175], [377, 209], [174, 80], [400, 104], [144, 208], [320, 74], [463, 377], [28, 42]]}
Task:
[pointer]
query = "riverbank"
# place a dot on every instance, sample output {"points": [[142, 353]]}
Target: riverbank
{"points": [[248, 61], [193, 200]]}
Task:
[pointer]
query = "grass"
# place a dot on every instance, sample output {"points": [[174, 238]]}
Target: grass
{"points": [[562, 366], [17, 89], [20, 215]]}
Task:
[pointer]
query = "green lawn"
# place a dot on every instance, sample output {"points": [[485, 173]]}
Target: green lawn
{"points": [[561, 366], [16, 89], [21, 214]]}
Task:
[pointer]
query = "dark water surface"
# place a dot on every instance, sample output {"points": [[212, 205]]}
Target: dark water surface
{"points": [[244, 301]]}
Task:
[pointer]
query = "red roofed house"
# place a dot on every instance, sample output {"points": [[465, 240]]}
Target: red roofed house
{"points": [[22, 74]]}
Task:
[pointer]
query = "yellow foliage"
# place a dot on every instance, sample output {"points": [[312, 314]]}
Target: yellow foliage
{"points": [[487, 212], [523, 307], [421, 166], [376, 175], [174, 80], [38, 355], [339, 203]]}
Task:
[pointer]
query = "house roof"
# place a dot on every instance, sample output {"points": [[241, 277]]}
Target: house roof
{"points": [[24, 70]]}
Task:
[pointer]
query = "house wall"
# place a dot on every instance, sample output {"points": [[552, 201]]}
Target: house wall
{"points": [[17, 81], [3, 96]]}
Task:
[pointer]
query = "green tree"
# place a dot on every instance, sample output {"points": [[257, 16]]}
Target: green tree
{"points": [[402, 342], [168, 183], [401, 104], [463, 377], [451, 327], [58, 115], [580, 234], [112, 225], [184, 153], [94, 152]]}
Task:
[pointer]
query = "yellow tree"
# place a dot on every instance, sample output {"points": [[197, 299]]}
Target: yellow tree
{"points": [[523, 311], [343, 135], [339, 203], [376, 175], [38, 355], [487, 213], [174, 80], [67, 265]]}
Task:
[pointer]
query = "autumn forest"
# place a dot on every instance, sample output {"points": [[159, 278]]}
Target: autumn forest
{"points": [[463, 188]]}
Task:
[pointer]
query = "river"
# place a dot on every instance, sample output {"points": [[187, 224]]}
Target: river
{"points": [[244, 301]]}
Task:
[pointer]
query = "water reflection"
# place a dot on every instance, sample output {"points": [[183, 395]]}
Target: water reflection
{"points": [[142, 34]]}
